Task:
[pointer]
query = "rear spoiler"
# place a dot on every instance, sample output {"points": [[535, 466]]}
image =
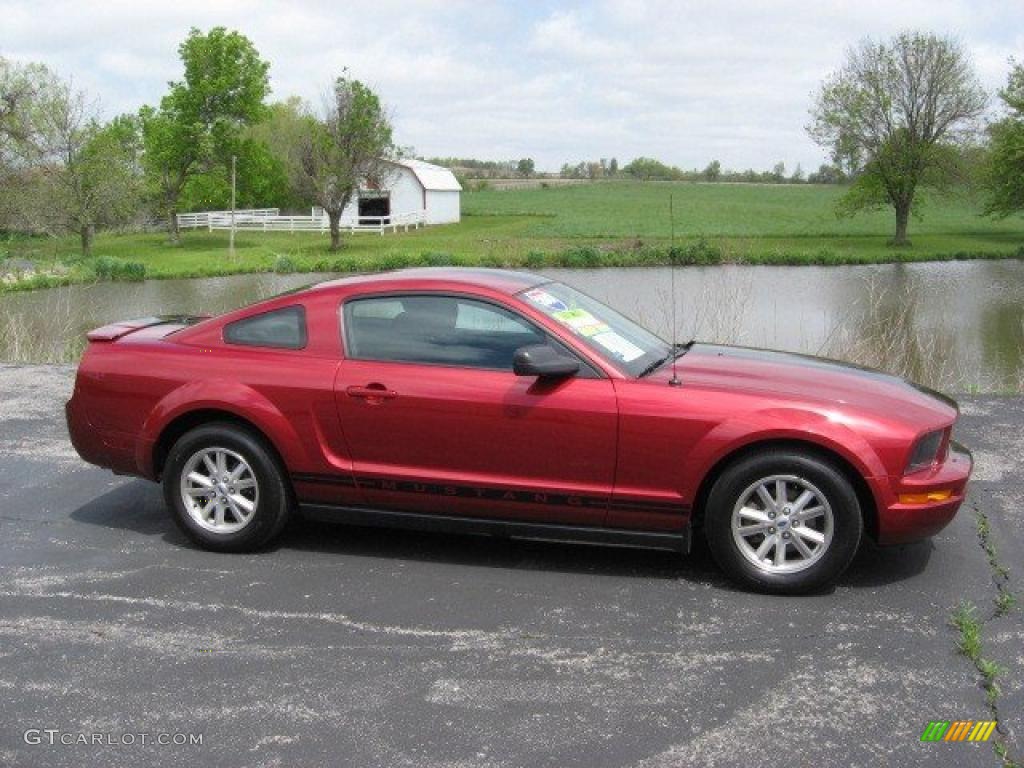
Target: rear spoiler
{"points": [[115, 331]]}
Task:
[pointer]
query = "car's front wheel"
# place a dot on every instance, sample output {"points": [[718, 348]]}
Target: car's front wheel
{"points": [[783, 522], [225, 488]]}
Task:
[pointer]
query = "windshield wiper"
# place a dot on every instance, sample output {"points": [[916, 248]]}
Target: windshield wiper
{"points": [[678, 350], [654, 366]]}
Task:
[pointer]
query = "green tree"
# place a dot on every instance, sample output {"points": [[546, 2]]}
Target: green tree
{"points": [[895, 115], [261, 182], [283, 130], [1004, 167], [525, 167], [570, 171], [175, 151], [647, 168], [22, 88], [345, 148], [81, 174], [200, 120], [826, 174], [713, 172]]}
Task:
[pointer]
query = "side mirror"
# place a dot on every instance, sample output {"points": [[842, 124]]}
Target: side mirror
{"points": [[543, 360]]}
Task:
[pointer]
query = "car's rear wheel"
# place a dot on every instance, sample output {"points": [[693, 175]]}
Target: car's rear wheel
{"points": [[225, 488], [783, 522]]}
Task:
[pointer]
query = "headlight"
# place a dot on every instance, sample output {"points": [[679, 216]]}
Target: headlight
{"points": [[926, 451]]}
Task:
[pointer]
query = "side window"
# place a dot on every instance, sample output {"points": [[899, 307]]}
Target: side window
{"points": [[441, 330], [280, 328], [485, 318]]}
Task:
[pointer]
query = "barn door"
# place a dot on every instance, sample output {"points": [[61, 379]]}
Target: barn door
{"points": [[373, 205]]}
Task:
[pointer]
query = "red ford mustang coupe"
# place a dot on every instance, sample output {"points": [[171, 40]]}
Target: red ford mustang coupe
{"points": [[503, 403]]}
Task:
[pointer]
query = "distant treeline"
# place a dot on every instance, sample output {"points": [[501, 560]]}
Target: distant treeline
{"points": [[471, 168], [641, 168]]}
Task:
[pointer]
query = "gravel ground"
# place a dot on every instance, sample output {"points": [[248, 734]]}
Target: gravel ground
{"points": [[374, 648]]}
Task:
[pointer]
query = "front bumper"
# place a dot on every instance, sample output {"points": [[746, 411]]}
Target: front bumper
{"points": [[899, 523]]}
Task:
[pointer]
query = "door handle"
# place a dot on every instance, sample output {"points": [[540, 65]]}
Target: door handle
{"points": [[372, 393]]}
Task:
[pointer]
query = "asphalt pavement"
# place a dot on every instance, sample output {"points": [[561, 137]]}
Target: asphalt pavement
{"points": [[359, 647]]}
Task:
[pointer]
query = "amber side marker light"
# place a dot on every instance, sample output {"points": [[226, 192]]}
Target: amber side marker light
{"points": [[925, 498]]}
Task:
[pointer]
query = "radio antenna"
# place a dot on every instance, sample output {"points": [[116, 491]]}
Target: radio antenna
{"points": [[672, 256]]}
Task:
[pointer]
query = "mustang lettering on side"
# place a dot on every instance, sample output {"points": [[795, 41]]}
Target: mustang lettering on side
{"points": [[499, 402]]}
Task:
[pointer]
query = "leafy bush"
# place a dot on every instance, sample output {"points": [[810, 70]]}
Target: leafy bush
{"points": [[585, 256], [534, 259], [394, 261], [343, 264], [284, 265], [645, 256], [435, 259], [108, 268], [700, 252], [490, 261]]}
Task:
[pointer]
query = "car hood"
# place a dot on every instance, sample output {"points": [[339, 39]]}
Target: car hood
{"points": [[810, 379]]}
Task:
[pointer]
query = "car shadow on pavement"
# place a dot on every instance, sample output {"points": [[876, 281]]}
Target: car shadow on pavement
{"points": [[138, 506], [135, 506], [497, 552], [876, 566]]}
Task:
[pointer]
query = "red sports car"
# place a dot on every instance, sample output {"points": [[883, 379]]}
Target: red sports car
{"points": [[503, 403]]}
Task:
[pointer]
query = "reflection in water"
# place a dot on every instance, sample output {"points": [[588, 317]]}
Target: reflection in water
{"points": [[50, 325], [883, 331], [1002, 340], [955, 326]]}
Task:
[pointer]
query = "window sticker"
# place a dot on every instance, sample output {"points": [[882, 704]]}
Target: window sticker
{"points": [[625, 349], [542, 297], [581, 321]]}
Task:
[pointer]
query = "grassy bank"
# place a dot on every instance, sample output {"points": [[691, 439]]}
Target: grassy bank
{"points": [[586, 225]]}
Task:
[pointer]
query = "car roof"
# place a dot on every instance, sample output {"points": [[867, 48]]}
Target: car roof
{"points": [[502, 280]]}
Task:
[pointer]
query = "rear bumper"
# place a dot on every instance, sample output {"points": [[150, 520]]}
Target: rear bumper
{"points": [[107, 450], [84, 438], [900, 522]]}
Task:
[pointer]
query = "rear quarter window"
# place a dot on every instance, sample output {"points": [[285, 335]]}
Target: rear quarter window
{"points": [[280, 329]]}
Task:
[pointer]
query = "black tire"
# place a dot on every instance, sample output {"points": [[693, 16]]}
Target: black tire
{"points": [[808, 473], [272, 496]]}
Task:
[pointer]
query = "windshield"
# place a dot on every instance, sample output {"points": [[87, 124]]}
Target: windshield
{"points": [[617, 339]]}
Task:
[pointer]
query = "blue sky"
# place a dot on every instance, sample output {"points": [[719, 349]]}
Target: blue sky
{"points": [[682, 81]]}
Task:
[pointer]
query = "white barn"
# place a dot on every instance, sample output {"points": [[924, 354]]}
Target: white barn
{"points": [[415, 190], [415, 193]]}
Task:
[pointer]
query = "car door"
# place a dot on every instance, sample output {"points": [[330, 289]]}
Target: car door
{"points": [[436, 420]]}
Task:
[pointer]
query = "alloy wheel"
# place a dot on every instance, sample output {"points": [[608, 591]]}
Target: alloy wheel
{"points": [[219, 490], [782, 524]]}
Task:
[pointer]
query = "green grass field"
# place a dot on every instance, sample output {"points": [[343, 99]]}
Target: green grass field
{"points": [[586, 225], [755, 220]]}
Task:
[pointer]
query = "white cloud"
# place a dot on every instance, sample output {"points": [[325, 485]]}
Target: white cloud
{"points": [[562, 33], [684, 81]]}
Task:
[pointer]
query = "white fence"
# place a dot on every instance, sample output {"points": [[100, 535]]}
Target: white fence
{"points": [[206, 218], [271, 220]]}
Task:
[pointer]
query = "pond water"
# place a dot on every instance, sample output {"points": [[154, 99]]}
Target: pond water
{"points": [[955, 325]]}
